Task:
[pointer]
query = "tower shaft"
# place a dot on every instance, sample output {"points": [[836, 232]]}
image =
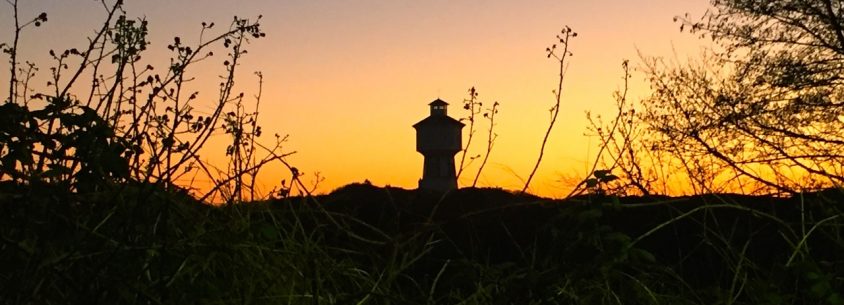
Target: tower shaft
{"points": [[438, 172]]}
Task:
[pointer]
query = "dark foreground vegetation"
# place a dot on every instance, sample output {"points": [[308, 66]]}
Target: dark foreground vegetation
{"points": [[369, 245]]}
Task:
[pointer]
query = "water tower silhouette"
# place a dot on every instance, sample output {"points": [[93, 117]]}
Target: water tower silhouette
{"points": [[438, 138]]}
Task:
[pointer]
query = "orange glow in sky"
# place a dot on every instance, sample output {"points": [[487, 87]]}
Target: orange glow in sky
{"points": [[347, 79]]}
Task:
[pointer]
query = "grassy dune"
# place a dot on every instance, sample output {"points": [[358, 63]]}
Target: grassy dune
{"points": [[367, 245]]}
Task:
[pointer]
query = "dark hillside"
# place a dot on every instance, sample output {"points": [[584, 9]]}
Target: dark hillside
{"points": [[703, 239], [139, 244], [699, 237]]}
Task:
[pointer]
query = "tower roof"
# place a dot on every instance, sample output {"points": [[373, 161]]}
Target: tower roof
{"points": [[439, 120], [438, 102]]}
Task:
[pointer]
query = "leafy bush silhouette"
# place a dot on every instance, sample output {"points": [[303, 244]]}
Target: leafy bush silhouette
{"points": [[86, 139], [133, 122]]}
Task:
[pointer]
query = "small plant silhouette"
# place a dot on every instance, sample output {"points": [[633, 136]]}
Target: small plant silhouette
{"points": [[620, 148], [490, 140], [598, 181], [560, 56], [473, 108]]}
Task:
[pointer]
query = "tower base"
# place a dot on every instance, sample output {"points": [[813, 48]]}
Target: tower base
{"points": [[440, 185]]}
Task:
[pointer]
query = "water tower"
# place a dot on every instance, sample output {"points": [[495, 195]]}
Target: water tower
{"points": [[438, 138]]}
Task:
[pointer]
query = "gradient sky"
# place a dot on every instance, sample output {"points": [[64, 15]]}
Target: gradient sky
{"points": [[347, 79]]}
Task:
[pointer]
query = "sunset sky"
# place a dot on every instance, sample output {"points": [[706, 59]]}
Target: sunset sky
{"points": [[347, 79]]}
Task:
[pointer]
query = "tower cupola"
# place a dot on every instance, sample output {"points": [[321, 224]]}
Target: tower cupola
{"points": [[439, 107]]}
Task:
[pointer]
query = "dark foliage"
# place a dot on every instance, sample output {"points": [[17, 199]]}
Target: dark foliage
{"points": [[762, 113]]}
